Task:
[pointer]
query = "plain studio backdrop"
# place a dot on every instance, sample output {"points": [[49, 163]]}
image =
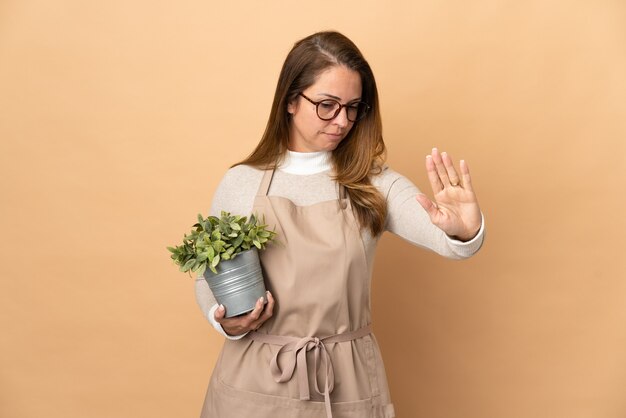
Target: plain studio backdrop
{"points": [[118, 119]]}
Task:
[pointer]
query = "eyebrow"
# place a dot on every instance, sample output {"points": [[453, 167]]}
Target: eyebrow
{"points": [[338, 98]]}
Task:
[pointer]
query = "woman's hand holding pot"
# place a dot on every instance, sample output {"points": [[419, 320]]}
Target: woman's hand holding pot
{"points": [[249, 322]]}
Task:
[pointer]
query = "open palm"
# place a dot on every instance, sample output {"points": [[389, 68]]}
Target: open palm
{"points": [[455, 208]]}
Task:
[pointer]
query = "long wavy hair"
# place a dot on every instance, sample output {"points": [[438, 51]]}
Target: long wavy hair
{"points": [[361, 153]]}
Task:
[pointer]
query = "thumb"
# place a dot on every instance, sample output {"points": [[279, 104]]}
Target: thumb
{"points": [[220, 312], [428, 205]]}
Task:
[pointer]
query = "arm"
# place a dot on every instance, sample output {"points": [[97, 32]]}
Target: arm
{"points": [[234, 194]]}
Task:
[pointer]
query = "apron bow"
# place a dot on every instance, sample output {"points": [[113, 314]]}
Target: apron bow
{"points": [[295, 351], [296, 360]]}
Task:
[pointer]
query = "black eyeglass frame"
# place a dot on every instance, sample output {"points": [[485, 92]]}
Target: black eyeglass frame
{"points": [[360, 115]]}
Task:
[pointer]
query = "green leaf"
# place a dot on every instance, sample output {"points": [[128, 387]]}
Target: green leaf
{"points": [[215, 261], [235, 226], [188, 264], [257, 244], [201, 269], [237, 242]]}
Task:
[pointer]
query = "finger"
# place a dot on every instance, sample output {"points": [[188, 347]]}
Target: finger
{"points": [[268, 311], [270, 302], [429, 206], [433, 177], [465, 175], [269, 307], [226, 323], [452, 174], [441, 169], [256, 312], [220, 312]]}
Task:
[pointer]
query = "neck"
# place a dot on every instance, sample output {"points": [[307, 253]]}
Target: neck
{"points": [[306, 162]]}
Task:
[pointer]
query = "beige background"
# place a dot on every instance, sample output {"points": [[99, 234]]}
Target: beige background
{"points": [[118, 118]]}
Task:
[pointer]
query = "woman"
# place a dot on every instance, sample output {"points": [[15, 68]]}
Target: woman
{"points": [[318, 176]]}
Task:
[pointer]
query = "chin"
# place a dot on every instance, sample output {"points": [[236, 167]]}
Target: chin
{"points": [[331, 145]]}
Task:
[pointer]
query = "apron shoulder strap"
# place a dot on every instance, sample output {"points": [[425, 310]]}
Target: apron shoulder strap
{"points": [[265, 182], [342, 192], [343, 200]]}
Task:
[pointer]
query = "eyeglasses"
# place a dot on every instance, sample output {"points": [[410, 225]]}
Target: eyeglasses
{"points": [[328, 109]]}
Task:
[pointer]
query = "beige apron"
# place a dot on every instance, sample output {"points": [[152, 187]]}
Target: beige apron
{"points": [[316, 357]]}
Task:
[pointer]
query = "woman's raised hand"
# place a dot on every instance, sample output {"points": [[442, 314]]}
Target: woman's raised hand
{"points": [[455, 208], [251, 321]]}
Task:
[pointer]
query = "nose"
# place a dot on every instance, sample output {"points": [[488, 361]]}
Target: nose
{"points": [[341, 119]]}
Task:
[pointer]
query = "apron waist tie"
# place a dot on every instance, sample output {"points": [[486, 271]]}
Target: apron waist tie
{"points": [[296, 348]]}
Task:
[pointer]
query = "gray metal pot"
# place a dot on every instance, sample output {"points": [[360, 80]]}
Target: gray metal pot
{"points": [[238, 283]]}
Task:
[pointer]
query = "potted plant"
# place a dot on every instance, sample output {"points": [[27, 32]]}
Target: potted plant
{"points": [[225, 251]]}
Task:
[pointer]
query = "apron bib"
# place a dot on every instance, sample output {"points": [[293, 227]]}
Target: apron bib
{"points": [[316, 356]]}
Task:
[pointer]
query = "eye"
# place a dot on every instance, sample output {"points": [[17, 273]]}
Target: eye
{"points": [[328, 104]]}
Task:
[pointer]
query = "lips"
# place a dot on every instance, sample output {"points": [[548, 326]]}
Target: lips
{"points": [[337, 135]]}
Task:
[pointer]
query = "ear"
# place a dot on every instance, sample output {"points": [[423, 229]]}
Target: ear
{"points": [[292, 107]]}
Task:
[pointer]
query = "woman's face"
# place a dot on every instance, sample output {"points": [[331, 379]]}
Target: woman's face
{"points": [[309, 133]]}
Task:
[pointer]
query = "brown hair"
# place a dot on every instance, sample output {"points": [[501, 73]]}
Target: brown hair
{"points": [[361, 153]]}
